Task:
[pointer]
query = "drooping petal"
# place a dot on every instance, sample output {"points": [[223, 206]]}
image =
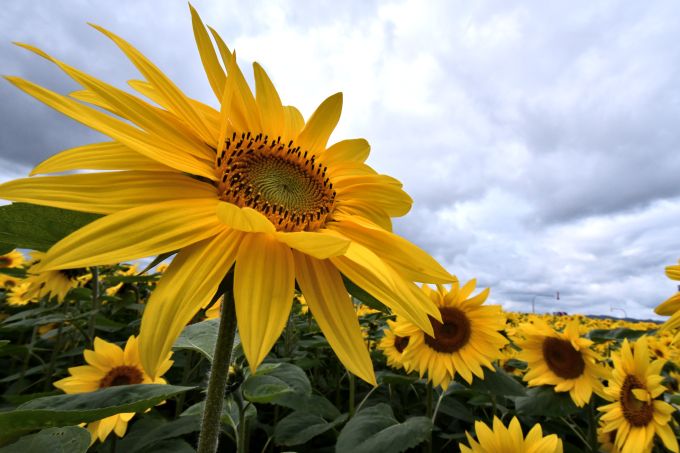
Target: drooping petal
{"points": [[332, 308], [264, 284], [318, 244], [188, 284], [243, 219], [98, 156], [136, 233], [321, 124], [105, 193]]}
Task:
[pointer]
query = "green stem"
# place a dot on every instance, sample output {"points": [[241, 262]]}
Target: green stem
{"points": [[592, 428], [217, 381], [185, 379], [95, 304], [55, 352], [436, 408], [352, 390], [428, 409]]}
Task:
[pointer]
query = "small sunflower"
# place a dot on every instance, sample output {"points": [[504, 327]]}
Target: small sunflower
{"points": [[113, 290], [636, 413], [108, 366], [12, 259], [393, 346], [19, 294], [561, 359], [249, 185], [671, 307], [510, 440], [54, 283], [7, 281], [466, 339]]}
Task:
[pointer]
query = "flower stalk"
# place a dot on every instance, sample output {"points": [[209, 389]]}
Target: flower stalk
{"points": [[217, 380]]}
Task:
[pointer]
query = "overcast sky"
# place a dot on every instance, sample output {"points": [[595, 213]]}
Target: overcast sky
{"points": [[539, 142]]}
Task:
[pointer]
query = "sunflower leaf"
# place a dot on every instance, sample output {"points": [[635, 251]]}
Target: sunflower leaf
{"points": [[498, 383], [546, 402], [299, 427], [274, 381], [29, 226], [362, 296], [600, 335], [67, 439], [64, 410], [375, 429]]}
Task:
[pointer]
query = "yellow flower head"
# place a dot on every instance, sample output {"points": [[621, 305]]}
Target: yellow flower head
{"points": [[12, 259], [561, 359], [248, 184], [637, 413], [510, 439], [108, 365], [113, 290], [466, 339], [52, 283], [393, 346], [19, 294]]}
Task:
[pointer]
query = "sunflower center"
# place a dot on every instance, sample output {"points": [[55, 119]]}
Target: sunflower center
{"points": [[285, 184], [122, 375], [400, 343], [5, 261], [562, 359], [452, 333], [638, 413]]}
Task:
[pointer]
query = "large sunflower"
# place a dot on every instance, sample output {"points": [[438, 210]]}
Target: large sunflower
{"points": [[511, 439], [671, 307], [637, 413], [466, 339], [250, 185], [561, 359], [108, 365]]}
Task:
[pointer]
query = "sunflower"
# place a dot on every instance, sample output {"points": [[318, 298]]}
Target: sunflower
{"points": [[636, 413], [108, 366], [392, 345], [12, 259], [52, 283], [607, 440], [130, 271], [7, 281], [250, 185], [671, 307], [561, 359], [466, 339], [510, 440], [19, 294]]}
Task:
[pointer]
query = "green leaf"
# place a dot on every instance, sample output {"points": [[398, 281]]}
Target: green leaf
{"points": [[675, 399], [453, 408], [364, 297], [34, 227], [375, 429], [169, 430], [275, 380], [171, 446], [544, 401], [299, 427], [63, 410], [67, 439], [388, 377], [200, 337], [600, 335], [498, 383], [6, 248], [312, 404]]}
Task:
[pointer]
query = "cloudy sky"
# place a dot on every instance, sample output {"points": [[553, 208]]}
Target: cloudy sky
{"points": [[539, 141]]}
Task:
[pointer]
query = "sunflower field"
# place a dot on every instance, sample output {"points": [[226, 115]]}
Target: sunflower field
{"points": [[217, 277]]}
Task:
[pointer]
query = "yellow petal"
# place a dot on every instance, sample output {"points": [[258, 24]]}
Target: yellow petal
{"points": [[264, 284], [318, 244], [136, 233], [212, 67], [175, 99], [118, 130], [318, 129], [294, 122], [354, 150], [243, 219], [105, 193], [273, 117], [332, 308], [670, 306], [98, 156], [188, 284], [378, 192], [408, 259], [244, 101]]}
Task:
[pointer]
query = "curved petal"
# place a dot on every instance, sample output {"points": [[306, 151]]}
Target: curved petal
{"points": [[243, 219], [271, 109], [318, 129], [188, 284], [105, 193], [377, 192], [212, 67], [352, 150], [408, 259], [264, 284], [135, 233], [98, 156], [293, 121], [332, 308], [318, 244]]}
